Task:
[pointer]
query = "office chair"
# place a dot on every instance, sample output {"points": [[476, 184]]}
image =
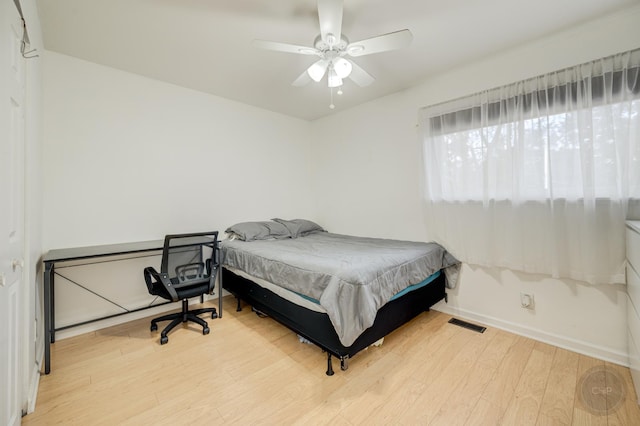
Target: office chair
{"points": [[188, 269]]}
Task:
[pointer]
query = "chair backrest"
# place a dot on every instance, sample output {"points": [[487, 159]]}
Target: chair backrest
{"points": [[191, 258]]}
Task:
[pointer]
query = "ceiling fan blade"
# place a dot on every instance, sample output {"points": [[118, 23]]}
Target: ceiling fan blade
{"points": [[381, 43], [360, 76], [330, 16], [302, 80], [285, 47]]}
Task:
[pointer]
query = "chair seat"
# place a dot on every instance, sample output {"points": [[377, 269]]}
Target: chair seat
{"points": [[184, 292], [193, 291]]}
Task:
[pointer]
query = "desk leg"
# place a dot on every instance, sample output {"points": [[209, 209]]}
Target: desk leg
{"points": [[220, 293], [48, 315]]}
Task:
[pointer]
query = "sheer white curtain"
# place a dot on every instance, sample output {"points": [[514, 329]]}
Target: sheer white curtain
{"points": [[538, 176]]}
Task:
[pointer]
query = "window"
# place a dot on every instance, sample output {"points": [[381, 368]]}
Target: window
{"points": [[538, 154]]}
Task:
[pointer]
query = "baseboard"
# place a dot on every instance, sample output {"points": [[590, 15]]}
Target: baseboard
{"points": [[33, 388], [34, 384], [581, 347]]}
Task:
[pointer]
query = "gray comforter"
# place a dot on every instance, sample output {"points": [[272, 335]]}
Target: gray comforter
{"points": [[352, 277]]}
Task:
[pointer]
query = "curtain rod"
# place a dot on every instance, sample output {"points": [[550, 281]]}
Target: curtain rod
{"points": [[631, 52]]}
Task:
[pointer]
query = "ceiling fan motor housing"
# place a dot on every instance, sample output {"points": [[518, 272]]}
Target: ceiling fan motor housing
{"points": [[331, 43]]}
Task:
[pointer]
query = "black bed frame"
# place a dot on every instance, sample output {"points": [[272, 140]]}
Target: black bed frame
{"points": [[317, 328]]}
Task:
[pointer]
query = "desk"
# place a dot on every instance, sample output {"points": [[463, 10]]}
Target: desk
{"points": [[90, 254]]}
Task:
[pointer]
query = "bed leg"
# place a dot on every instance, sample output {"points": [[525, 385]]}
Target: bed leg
{"points": [[329, 365], [446, 298], [239, 307]]}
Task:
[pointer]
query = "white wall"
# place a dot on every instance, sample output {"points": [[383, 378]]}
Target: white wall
{"points": [[367, 182], [127, 158]]}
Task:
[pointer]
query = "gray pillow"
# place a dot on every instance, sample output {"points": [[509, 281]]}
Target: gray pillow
{"points": [[300, 227], [249, 231]]}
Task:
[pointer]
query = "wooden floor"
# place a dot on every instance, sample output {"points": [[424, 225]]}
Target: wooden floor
{"points": [[251, 370]]}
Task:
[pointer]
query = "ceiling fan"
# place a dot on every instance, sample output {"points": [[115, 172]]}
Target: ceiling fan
{"points": [[332, 48]]}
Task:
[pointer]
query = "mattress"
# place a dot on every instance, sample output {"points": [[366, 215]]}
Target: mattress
{"points": [[313, 304], [291, 296], [351, 277]]}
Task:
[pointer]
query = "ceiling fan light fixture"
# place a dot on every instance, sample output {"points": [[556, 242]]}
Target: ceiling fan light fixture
{"points": [[334, 79], [342, 67], [317, 71]]}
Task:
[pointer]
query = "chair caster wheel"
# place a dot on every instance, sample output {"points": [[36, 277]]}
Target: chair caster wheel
{"points": [[205, 330], [154, 327], [214, 315], [163, 340]]}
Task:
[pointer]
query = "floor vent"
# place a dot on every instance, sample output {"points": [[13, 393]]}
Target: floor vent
{"points": [[468, 325]]}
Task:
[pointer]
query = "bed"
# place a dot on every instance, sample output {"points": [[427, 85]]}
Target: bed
{"points": [[342, 293]]}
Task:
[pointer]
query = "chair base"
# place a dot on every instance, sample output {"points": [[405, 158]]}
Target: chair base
{"points": [[182, 317]]}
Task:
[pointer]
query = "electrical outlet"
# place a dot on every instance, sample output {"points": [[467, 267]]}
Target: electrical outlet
{"points": [[526, 300]]}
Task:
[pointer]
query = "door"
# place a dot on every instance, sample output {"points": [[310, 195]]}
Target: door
{"points": [[12, 151]]}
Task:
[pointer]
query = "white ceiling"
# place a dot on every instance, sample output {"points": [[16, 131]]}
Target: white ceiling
{"points": [[206, 44]]}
